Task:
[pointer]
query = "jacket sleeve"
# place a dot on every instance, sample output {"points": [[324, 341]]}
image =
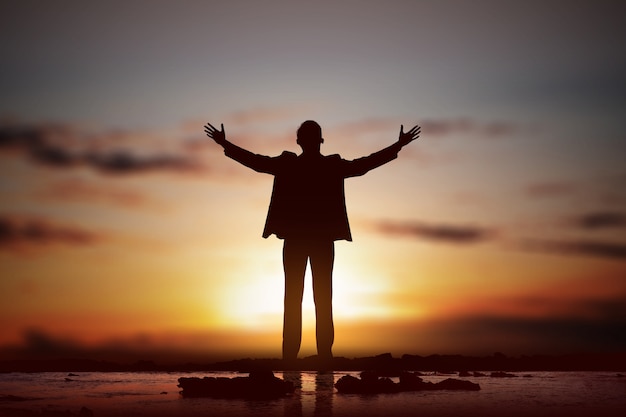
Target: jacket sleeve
{"points": [[259, 163], [362, 165]]}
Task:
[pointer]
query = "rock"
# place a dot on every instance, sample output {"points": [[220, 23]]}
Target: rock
{"points": [[369, 383], [349, 385], [501, 374], [85, 412], [258, 385], [410, 381], [369, 376], [261, 376], [464, 374], [457, 385], [410, 378]]}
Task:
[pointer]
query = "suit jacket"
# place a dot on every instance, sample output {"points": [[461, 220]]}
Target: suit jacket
{"points": [[308, 198]]}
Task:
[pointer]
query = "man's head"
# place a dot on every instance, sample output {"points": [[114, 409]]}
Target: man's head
{"points": [[309, 136]]}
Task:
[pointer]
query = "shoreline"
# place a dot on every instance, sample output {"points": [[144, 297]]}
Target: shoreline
{"points": [[610, 362]]}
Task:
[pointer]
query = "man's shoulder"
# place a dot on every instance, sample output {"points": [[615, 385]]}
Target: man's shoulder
{"points": [[334, 158], [288, 155]]}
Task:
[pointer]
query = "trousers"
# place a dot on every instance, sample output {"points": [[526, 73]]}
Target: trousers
{"points": [[321, 255]]}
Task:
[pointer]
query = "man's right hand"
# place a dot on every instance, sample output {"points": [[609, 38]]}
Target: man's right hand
{"points": [[219, 136]]}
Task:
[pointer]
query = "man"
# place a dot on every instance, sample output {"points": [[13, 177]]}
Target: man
{"points": [[308, 211]]}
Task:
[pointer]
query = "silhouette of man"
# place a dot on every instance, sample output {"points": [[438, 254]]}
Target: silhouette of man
{"points": [[308, 211]]}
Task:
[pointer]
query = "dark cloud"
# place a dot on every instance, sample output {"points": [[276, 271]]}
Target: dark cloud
{"points": [[474, 234], [439, 232], [544, 334], [601, 220], [587, 325], [16, 232], [577, 248], [12, 137], [55, 156], [550, 189], [62, 147], [432, 127], [121, 162], [75, 189], [39, 343]]}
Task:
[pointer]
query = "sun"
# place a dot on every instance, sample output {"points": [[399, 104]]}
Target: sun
{"points": [[255, 302], [252, 302], [357, 296]]}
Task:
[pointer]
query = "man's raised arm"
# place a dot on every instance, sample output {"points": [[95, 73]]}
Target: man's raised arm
{"points": [[259, 163], [362, 165]]}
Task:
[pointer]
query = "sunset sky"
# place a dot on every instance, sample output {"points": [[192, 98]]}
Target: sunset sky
{"points": [[124, 229]]}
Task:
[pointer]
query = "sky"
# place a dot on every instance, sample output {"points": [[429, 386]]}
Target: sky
{"points": [[124, 230]]}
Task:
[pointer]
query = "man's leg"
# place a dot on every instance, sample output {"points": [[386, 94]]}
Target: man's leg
{"points": [[322, 259], [294, 265]]}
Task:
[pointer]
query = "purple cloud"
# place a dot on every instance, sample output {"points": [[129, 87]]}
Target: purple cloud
{"points": [[550, 189], [577, 247], [62, 146], [601, 220], [439, 232], [16, 232]]}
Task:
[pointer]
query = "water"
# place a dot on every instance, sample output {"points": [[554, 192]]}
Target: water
{"points": [[156, 394]]}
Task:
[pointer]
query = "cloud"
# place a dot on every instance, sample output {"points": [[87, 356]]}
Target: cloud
{"points": [[546, 334], [167, 347], [576, 247], [545, 322], [469, 234], [601, 220], [40, 343], [440, 128], [63, 146], [430, 127], [438, 232], [16, 232], [75, 189], [121, 162], [550, 189]]}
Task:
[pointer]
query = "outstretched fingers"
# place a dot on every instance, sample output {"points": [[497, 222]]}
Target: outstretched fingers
{"points": [[414, 133], [410, 136], [209, 128], [212, 130], [415, 130], [217, 135]]}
